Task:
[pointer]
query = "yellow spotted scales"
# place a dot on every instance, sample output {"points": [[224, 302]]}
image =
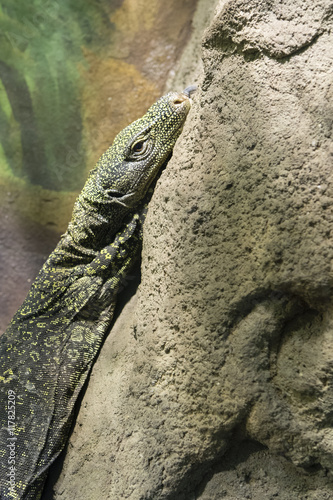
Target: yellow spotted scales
{"points": [[49, 347]]}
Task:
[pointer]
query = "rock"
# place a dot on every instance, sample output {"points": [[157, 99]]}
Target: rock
{"points": [[217, 378]]}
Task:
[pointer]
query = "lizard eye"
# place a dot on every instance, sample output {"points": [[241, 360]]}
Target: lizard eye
{"points": [[140, 148]]}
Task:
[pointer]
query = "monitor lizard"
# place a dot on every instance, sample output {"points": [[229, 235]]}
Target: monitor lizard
{"points": [[51, 343]]}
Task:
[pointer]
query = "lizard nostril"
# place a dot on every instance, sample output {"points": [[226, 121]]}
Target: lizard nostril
{"points": [[179, 100], [185, 95]]}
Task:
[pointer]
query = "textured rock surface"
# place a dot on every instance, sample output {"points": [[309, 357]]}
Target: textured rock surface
{"points": [[217, 379]]}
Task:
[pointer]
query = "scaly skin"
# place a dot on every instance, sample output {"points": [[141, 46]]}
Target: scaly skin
{"points": [[49, 347]]}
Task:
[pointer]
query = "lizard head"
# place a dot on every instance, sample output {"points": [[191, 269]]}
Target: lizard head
{"points": [[126, 170]]}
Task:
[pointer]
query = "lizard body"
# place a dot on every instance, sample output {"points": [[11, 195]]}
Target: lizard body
{"points": [[49, 347]]}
